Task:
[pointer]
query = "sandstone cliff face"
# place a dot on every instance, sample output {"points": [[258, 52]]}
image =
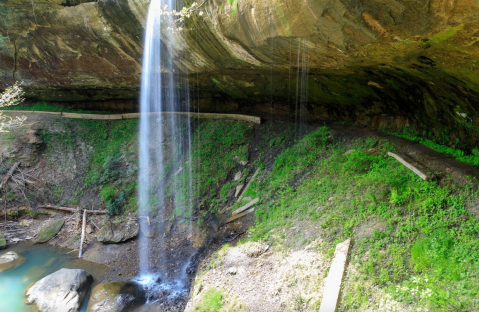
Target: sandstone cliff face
{"points": [[386, 63]]}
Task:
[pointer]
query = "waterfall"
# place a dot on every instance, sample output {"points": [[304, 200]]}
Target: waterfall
{"points": [[165, 184]]}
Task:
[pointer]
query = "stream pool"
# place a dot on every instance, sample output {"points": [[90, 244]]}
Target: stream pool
{"points": [[41, 260]]}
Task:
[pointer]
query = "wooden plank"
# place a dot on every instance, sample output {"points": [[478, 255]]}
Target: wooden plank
{"points": [[72, 115], [253, 119], [249, 183], [332, 288], [131, 116], [19, 111], [47, 113], [248, 205], [115, 117], [421, 174], [241, 215]]}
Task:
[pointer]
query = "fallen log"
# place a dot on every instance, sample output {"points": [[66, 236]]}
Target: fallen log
{"points": [[58, 208], [96, 211], [9, 175], [72, 209], [82, 234]]}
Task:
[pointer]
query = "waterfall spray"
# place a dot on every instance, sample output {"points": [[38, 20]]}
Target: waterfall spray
{"points": [[165, 160]]}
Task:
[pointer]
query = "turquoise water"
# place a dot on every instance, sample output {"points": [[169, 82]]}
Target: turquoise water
{"points": [[41, 260]]}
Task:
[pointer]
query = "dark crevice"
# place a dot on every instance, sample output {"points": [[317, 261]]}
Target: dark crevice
{"points": [[69, 3]]}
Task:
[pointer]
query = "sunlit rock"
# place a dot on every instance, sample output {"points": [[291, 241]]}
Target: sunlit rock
{"points": [[62, 291], [10, 260]]}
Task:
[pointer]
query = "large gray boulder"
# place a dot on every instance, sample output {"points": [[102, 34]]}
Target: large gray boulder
{"points": [[10, 260], [49, 230], [112, 233], [116, 296], [62, 291]]}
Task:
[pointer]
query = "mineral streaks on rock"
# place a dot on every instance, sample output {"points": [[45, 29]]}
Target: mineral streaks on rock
{"points": [[62, 291]]}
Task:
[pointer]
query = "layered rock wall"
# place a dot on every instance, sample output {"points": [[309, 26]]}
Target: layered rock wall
{"points": [[383, 63]]}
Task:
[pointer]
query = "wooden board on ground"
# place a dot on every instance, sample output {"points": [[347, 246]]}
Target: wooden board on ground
{"points": [[249, 183], [241, 215], [421, 174], [332, 288], [248, 205]]}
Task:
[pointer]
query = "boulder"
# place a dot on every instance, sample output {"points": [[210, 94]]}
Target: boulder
{"points": [[3, 241], [10, 260], [116, 296], [62, 291], [49, 230], [112, 233]]}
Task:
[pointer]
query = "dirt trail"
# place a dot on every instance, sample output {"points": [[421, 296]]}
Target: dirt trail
{"points": [[434, 161]]}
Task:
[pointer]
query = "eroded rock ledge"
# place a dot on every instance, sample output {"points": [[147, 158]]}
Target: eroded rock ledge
{"points": [[382, 63]]}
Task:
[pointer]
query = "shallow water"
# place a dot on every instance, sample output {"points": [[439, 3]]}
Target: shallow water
{"points": [[41, 260]]}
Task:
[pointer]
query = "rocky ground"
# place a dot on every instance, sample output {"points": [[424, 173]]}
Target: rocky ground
{"points": [[284, 274]]}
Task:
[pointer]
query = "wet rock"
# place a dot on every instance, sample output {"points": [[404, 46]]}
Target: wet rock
{"points": [[62, 291], [10, 260], [50, 230], [116, 296], [113, 233], [3, 241]]}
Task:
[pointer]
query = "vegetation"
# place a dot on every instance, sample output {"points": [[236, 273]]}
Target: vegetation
{"points": [[472, 159], [217, 148], [414, 240], [107, 162], [212, 301]]}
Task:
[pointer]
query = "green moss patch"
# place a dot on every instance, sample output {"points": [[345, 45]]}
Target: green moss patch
{"points": [[212, 301], [50, 230]]}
